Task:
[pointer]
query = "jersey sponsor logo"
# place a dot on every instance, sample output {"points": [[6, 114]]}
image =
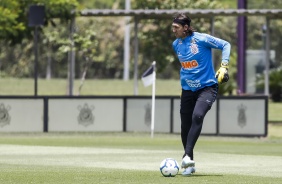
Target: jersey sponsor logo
{"points": [[193, 83], [189, 64]]}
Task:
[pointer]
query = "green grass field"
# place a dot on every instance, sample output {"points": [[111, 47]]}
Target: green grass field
{"points": [[14, 86], [134, 158], [131, 158]]}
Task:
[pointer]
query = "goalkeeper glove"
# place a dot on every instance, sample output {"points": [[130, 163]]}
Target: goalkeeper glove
{"points": [[222, 74]]}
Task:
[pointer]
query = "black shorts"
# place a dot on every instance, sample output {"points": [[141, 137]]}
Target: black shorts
{"points": [[189, 98]]}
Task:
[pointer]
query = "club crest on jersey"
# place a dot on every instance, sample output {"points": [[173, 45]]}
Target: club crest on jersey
{"points": [[194, 48]]}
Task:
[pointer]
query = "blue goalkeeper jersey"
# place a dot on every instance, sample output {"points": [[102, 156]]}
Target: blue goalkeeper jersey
{"points": [[195, 55]]}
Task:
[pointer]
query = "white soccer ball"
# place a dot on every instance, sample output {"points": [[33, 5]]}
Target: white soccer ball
{"points": [[169, 167]]}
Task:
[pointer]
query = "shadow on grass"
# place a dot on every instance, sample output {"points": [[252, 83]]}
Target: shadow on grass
{"points": [[201, 175]]}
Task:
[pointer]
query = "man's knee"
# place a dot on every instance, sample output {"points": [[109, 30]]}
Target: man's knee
{"points": [[198, 117]]}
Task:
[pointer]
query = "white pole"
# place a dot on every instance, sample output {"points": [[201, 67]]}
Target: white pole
{"points": [[153, 101], [126, 53], [136, 55], [267, 48]]}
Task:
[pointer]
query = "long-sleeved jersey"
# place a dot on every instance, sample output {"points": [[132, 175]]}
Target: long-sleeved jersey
{"points": [[195, 55]]}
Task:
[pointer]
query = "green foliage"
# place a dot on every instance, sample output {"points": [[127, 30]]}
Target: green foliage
{"points": [[18, 64], [101, 4], [264, 4], [99, 41], [14, 21], [156, 36], [256, 34], [17, 55], [275, 83], [174, 4], [9, 15]]}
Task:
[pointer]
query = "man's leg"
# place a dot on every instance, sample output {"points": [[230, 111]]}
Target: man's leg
{"points": [[186, 122], [206, 97], [199, 113], [186, 110], [187, 105]]}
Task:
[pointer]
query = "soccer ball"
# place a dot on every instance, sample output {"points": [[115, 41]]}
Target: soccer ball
{"points": [[169, 167]]}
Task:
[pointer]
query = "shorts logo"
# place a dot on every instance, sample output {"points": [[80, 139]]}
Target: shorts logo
{"points": [[85, 116], [5, 118], [189, 64]]}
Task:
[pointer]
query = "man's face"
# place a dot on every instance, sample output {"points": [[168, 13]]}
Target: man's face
{"points": [[179, 30]]}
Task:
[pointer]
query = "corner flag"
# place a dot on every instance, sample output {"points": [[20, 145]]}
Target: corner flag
{"points": [[149, 78]]}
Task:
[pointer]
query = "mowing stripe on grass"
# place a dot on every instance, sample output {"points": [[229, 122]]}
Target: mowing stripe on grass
{"points": [[135, 159]]}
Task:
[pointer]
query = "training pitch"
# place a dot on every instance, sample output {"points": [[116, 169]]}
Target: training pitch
{"points": [[134, 158]]}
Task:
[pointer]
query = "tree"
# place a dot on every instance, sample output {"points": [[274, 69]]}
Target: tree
{"points": [[156, 36], [16, 37], [14, 21], [156, 40], [10, 26]]}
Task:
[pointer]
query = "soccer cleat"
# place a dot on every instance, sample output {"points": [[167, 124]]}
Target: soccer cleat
{"points": [[189, 171], [187, 162]]}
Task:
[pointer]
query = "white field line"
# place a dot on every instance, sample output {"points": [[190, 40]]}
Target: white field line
{"points": [[135, 159]]}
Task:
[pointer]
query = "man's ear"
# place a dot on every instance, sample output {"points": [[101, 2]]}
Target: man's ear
{"points": [[186, 27]]}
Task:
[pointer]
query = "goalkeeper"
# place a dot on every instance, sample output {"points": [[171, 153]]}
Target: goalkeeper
{"points": [[198, 80]]}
